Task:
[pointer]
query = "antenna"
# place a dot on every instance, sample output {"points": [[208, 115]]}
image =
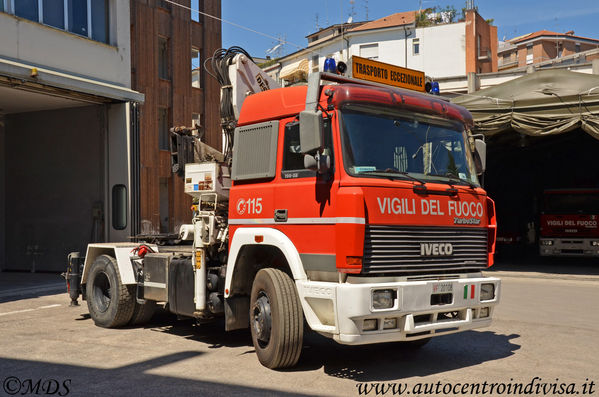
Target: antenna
{"points": [[317, 23], [352, 12], [277, 47], [366, 8]]}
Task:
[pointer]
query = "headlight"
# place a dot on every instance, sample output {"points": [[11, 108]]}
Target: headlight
{"points": [[546, 242], [487, 292], [595, 243], [383, 298], [370, 325], [484, 312]]}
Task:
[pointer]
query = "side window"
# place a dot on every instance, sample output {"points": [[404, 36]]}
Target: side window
{"points": [[293, 160]]}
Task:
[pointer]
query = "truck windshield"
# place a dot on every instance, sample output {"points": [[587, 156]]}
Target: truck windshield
{"points": [[381, 142], [571, 203]]}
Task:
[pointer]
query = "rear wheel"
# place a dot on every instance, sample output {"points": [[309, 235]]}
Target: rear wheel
{"points": [[142, 313], [110, 303], [276, 319]]}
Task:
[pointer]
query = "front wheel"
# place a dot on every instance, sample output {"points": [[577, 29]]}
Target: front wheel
{"points": [[109, 301], [276, 319]]}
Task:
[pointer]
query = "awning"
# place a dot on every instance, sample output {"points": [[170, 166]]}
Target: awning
{"points": [[541, 103], [295, 71], [32, 78]]}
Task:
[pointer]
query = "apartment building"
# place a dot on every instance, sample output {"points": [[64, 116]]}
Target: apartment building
{"points": [[541, 46], [431, 42]]}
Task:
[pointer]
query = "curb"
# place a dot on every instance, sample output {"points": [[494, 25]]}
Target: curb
{"points": [[554, 276]]}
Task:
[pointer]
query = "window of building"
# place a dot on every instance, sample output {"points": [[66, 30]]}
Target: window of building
{"points": [[415, 46], [77, 19], [529, 56], [27, 9], [88, 18], [196, 120], [196, 68], [577, 47], [315, 60], [478, 45], [370, 51], [99, 9], [53, 13], [163, 129], [560, 50], [163, 58], [1, 5], [164, 4], [195, 6]]}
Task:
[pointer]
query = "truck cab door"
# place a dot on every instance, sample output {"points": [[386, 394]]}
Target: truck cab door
{"points": [[305, 201]]}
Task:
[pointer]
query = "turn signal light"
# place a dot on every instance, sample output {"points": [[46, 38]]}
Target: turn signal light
{"points": [[353, 264]]}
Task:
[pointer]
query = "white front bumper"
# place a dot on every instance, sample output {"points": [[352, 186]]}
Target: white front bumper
{"points": [[339, 310]]}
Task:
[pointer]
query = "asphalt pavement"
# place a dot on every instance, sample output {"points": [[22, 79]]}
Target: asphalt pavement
{"points": [[544, 336]]}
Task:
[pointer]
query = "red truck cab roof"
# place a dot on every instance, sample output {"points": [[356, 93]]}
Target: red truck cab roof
{"points": [[284, 102]]}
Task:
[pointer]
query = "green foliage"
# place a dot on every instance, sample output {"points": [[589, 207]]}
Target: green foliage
{"points": [[267, 63], [424, 17]]}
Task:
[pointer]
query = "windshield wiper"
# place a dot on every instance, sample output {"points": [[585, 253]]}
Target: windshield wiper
{"points": [[454, 177], [394, 171]]}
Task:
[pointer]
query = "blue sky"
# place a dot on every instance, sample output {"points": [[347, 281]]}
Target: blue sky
{"points": [[293, 20]]}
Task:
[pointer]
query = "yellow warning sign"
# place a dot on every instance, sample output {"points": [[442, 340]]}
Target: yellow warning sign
{"points": [[384, 73]]}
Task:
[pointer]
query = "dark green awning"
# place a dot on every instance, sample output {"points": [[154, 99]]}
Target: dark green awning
{"points": [[541, 103]]}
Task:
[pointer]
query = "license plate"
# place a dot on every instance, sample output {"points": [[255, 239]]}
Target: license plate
{"points": [[441, 288]]}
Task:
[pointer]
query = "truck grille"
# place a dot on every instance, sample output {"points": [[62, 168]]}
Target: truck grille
{"points": [[397, 250]]}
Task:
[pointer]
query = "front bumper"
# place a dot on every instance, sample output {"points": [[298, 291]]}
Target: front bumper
{"points": [[572, 246], [341, 310]]}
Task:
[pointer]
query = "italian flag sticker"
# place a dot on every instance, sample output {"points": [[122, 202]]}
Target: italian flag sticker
{"points": [[471, 288]]}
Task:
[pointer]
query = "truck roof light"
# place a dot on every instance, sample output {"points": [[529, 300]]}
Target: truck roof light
{"points": [[258, 238], [330, 66]]}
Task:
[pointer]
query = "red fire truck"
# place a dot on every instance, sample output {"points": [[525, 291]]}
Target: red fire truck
{"points": [[349, 205], [568, 225]]}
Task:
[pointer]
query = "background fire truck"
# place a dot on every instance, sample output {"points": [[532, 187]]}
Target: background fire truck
{"points": [[352, 206], [569, 222]]}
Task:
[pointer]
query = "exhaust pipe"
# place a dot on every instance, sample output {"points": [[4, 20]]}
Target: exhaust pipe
{"points": [[73, 277]]}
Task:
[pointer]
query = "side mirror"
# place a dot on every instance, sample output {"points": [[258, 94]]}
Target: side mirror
{"points": [[311, 130], [480, 149], [320, 163]]}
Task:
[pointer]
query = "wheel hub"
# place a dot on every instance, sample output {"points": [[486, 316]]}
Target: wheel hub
{"points": [[102, 292], [261, 318]]}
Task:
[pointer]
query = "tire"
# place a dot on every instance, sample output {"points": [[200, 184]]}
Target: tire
{"points": [[142, 313], [110, 303], [276, 319]]}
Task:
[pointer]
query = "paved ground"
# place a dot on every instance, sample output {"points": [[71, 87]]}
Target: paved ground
{"points": [[546, 326]]}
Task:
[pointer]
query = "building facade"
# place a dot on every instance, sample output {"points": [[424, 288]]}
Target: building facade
{"points": [[540, 47], [66, 129], [168, 47], [431, 43]]}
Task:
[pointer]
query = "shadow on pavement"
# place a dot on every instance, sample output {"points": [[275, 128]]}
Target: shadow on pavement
{"points": [[25, 285], [392, 361], [132, 379], [552, 265], [378, 362]]}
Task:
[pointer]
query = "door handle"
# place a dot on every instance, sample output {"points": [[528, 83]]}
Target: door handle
{"points": [[281, 215]]}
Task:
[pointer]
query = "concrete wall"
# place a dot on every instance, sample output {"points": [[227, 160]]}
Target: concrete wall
{"points": [[44, 46], [55, 175]]}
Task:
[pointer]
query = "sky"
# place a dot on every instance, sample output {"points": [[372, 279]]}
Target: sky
{"points": [[292, 21]]}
